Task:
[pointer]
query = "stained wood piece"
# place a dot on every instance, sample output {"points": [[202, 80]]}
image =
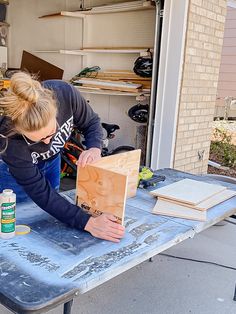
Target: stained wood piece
{"points": [[188, 191], [101, 191], [166, 208], [43, 69], [125, 163]]}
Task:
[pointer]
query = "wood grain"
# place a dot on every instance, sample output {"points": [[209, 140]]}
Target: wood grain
{"points": [[106, 87], [101, 191], [125, 163], [210, 202], [188, 191], [166, 208]]}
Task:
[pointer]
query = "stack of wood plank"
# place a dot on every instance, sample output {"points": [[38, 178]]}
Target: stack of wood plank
{"points": [[189, 199], [123, 6], [124, 81]]}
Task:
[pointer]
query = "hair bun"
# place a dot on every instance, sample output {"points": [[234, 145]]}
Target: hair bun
{"points": [[25, 87]]}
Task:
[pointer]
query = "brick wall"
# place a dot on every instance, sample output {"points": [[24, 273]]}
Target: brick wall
{"points": [[204, 39]]}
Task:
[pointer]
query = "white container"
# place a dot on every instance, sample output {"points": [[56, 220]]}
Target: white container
{"points": [[8, 214]]}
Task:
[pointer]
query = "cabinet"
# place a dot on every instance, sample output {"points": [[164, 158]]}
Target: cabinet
{"points": [[127, 29], [87, 52]]}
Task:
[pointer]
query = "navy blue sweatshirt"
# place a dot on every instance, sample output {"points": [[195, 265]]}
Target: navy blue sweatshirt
{"points": [[22, 159]]}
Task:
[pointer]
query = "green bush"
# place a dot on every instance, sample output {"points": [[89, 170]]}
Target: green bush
{"points": [[222, 148]]}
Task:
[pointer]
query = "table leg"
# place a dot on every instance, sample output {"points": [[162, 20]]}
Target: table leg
{"points": [[234, 294], [67, 307]]}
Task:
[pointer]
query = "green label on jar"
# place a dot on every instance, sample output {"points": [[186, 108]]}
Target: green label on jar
{"points": [[8, 218]]}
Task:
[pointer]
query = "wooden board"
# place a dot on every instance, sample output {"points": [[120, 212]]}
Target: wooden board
{"points": [[120, 75], [210, 202], [134, 80], [121, 89], [94, 81], [125, 163], [188, 191], [101, 191], [166, 208], [43, 69]]}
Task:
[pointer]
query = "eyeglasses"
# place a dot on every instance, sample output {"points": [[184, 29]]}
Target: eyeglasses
{"points": [[42, 139], [4, 140], [3, 143]]}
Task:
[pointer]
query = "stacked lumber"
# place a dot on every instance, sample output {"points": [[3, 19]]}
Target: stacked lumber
{"points": [[124, 81], [123, 6], [189, 199], [126, 76]]}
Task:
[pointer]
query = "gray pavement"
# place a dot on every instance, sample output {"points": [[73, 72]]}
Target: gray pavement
{"points": [[169, 285]]}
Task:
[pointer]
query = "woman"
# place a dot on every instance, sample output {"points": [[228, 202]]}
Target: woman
{"points": [[36, 122]]}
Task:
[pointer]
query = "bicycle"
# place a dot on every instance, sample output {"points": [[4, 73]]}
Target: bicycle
{"points": [[74, 146]]}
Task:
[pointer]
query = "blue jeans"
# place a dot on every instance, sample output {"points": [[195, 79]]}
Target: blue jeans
{"points": [[50, 169]]}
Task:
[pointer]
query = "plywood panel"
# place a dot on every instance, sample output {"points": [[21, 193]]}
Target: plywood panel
{"points": [[125, 163], [163, 207], [210, 202], [188, 191], [101, 191]]}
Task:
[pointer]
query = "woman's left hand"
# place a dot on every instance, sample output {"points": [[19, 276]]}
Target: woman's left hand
{"points": [[89, 156]]}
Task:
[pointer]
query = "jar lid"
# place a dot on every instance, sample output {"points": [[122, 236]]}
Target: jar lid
{"points": [[7, 191], [22, 229]]}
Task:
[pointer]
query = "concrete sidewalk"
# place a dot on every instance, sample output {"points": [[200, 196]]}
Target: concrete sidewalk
{"points": [[169, 285]]}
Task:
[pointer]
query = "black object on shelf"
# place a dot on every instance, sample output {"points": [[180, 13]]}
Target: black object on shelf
{"points": [[3, 12], [139, 113]]}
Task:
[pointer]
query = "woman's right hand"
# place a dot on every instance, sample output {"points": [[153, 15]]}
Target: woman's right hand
{"points": [[105, 227]]}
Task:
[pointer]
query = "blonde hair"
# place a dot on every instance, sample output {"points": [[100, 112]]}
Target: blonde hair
{"points": [[28, 104]]}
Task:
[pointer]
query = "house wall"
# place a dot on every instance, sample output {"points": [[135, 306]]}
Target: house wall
{"points": [[128, 29], [227, 77], [204, 39]]}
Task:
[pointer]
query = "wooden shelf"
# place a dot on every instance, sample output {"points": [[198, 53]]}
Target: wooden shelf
{"points": [[113, 8], [78, 14], [85, 51], [98, 91], [62, 51]]}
